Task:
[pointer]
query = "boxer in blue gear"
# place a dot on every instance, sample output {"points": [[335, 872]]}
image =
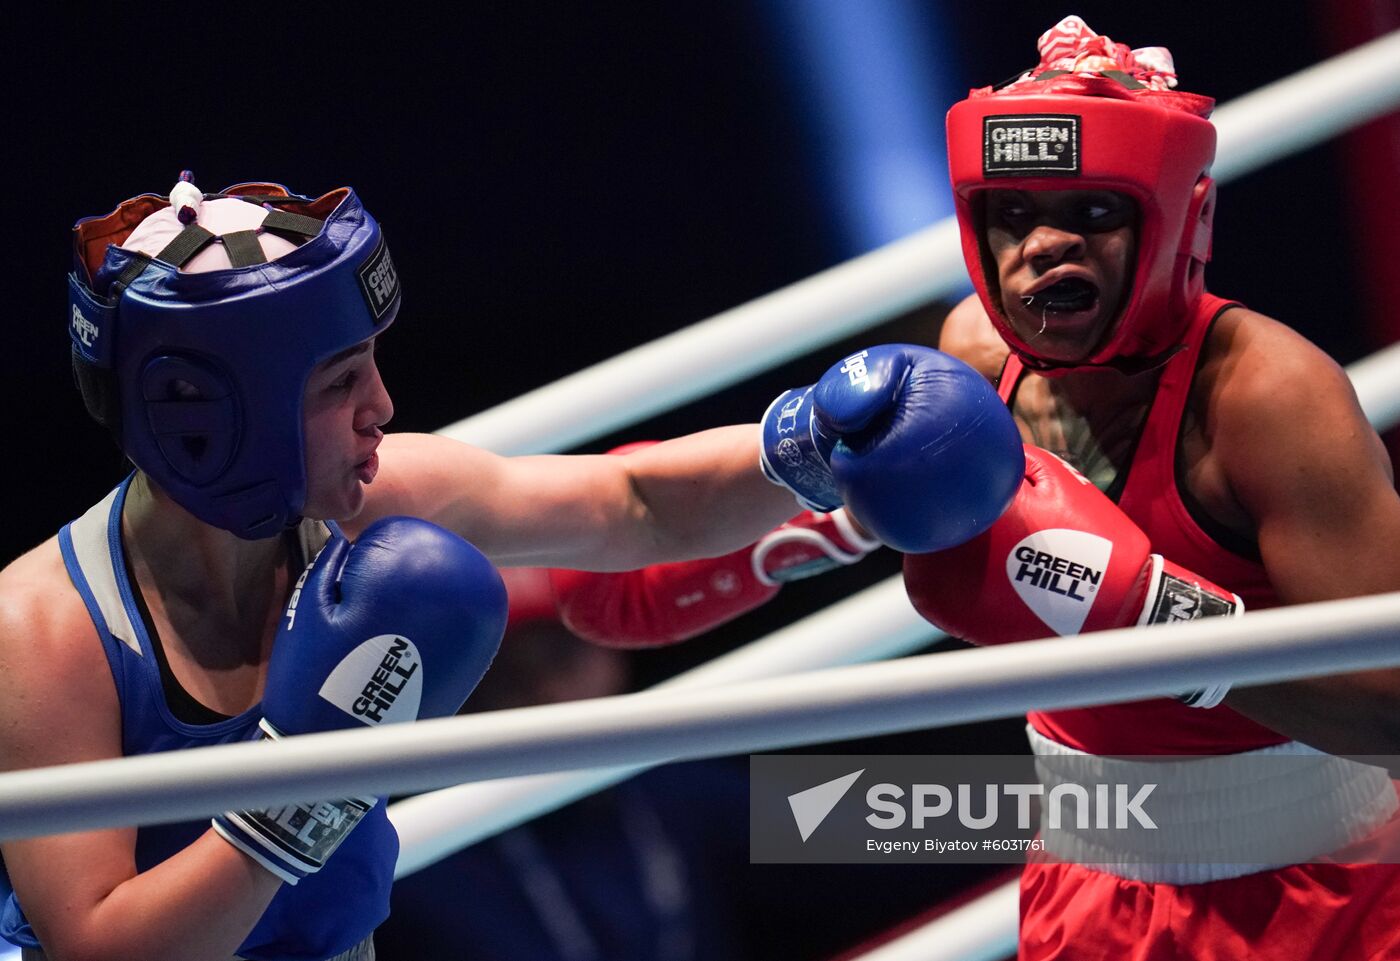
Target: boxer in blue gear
{"points": [[228, 342], [330, 918]]}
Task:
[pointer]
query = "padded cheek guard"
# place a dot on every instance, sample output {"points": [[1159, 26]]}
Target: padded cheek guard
{"points": [[1083, 133], [201, 375]]}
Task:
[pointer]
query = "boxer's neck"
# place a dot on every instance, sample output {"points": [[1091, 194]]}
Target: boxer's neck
{"points": [[209, 585], [1091, 418]]}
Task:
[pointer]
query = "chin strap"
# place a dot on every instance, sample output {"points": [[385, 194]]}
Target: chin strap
{"points": [[1124, 365]]}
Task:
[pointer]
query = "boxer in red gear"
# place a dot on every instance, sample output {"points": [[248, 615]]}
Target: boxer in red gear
{"points": [[1236, 447]]}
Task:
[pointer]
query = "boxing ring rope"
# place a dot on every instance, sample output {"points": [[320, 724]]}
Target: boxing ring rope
{"points": [[915, 693], [1283, 117], [1376, 380], [984, 929]]}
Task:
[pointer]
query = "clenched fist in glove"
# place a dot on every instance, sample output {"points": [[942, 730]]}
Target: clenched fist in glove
{"points": [[399, 625], [1062, 559], [915, 442]]}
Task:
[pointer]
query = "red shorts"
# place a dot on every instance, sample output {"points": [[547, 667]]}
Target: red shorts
{"points": [[1304, 912]]}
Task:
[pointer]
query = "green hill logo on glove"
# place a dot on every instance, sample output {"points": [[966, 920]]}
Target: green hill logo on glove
{"points": [[1057, 574], [379, 682]]}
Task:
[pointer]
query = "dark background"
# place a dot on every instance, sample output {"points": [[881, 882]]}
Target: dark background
{"points": [[558, 183]]}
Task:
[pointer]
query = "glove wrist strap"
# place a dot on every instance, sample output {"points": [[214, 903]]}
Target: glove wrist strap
{"points": [[802, 552], [295, 839], [793, 454], [1175, 595]]}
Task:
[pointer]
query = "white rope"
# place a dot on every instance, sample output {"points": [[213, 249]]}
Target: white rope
{"points": [[1308, 107], [1377, 383], [981, 930], [875, 624], [729, 347], [818, 707], [1275, 120]]}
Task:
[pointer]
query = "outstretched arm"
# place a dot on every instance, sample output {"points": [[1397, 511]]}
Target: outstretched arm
{"points": [[914, 442], [666, 603], [698, 496]]}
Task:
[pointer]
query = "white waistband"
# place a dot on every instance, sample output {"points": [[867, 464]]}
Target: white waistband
{"points": [[1216, 817]]}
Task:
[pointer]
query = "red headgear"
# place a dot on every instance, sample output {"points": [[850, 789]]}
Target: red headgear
{"points": [[1095, 115]]}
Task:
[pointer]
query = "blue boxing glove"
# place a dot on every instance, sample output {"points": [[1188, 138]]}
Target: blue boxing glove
{"points": [[916, 443], [398, 626]]}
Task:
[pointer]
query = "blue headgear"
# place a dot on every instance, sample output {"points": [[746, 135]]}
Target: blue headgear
{"points": [[200, 376]]}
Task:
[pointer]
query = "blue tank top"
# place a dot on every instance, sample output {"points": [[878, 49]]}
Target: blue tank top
{"points": [[324, 914]]}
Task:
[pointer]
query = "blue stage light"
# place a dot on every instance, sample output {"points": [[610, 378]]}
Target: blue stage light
{"points": [[873, 79]]}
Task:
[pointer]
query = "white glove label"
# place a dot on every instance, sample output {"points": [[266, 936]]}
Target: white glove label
{"points": [[379, 682], [1181, 600], [1057, 573]]}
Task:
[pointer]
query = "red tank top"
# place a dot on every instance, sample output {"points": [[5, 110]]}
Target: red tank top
{"points": [[1153, 500]]}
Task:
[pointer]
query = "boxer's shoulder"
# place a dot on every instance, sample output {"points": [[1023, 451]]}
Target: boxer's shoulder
{"points": [[38, 603], [1251, 360], [53, 667], [1260, 379], [968, 335], [1284, 424]]}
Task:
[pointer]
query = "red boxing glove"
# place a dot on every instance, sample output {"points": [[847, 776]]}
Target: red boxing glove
{"points": [[1063, 559], [667, 603]]}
